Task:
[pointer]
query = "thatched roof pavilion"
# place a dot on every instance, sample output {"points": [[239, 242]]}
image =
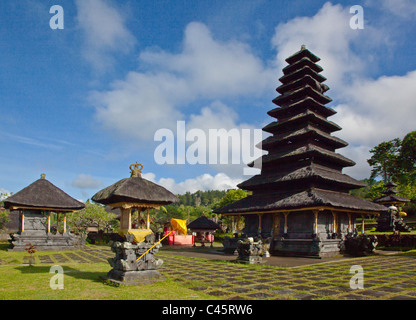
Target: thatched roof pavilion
{"points": [[134, 193], [301, 179], [203, 224], [34, 205], [388, 221], [43, 195], [390, 197]]}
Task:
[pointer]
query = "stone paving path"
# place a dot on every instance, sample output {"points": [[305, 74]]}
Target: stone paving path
{"points": [[385, 277]]}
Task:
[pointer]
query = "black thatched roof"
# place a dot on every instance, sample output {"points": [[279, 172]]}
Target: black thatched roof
{"points": [[390, 195], [302, 168], [135, 189], [300, 176], [391, 199], [300, 200], [44, 195], [203, 223]]}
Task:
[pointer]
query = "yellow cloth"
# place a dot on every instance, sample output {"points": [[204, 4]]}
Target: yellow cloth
{"points": [[179, 225], [139, 234]]}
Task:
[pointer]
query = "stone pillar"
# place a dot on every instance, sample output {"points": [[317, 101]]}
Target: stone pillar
{"points": [[125, 219], [64, 222]]}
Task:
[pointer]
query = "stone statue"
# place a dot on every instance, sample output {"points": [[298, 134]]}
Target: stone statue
{"points": [[391, 221], [252, 250]]}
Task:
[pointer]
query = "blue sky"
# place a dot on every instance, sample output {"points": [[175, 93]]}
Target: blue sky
{"points": [[83, 103]]}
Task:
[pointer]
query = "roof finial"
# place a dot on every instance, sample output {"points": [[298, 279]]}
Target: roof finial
{"points": [[303, 47], [137, 171], [42, 176]]}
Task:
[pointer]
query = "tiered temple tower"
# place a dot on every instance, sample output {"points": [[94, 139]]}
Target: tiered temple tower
{"points": [[301, 198], [391, 220]]}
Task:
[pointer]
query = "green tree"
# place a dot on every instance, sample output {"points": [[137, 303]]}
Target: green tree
{"points": [[385, 160], [230, 197], [371, 191], [4, 214], [80, 220], [408, 158]]}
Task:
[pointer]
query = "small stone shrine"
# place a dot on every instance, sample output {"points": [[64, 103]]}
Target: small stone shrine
{"points": [[204, 229], [301, 197], [134, 260], [391, 220], [251, 251], [126, 267], [34, 205]]}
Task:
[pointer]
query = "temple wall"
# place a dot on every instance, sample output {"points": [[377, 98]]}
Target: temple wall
{"points": [[251, 225], [266, 225], [300, 238], [35, 222], [299, 225]]}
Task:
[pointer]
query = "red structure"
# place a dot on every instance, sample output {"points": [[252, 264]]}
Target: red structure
{"points": [[178, 239]]}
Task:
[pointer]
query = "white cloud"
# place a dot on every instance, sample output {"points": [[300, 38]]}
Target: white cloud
{"points": [[235, 144], [86, 181], [378, 110], [213, 69], [402, 8], [205, 69], [203, 182], [105, 32], [3, 193], [328, 34], [359, 154], [139, 105], [57, 146], [369, 110]]}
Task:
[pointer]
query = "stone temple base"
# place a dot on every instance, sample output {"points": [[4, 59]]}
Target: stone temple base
{"points": [[310, 248], [133, 277], [45, 242], [250, 260]]}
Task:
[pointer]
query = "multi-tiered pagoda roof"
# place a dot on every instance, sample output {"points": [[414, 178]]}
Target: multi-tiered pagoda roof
{"points": [[390, 196], [302, 168]]}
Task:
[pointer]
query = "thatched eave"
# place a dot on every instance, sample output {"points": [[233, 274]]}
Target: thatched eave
{"points": [[43, 195], [295, 177], [137, 190], [203, 223], [301, 200]]}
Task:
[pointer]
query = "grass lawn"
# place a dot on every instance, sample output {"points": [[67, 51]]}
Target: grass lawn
{"points": [[195, 278], [81, 282]]}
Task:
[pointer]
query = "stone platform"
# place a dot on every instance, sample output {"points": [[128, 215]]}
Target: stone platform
{"points": [[45, 241]]}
